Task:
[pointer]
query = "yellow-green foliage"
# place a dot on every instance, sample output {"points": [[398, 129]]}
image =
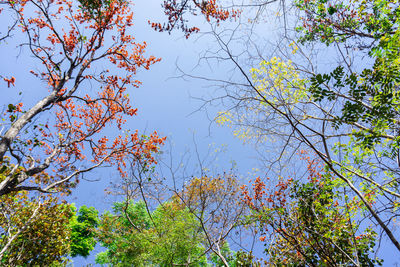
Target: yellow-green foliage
{"points": [[278, 82], [277, 85]]}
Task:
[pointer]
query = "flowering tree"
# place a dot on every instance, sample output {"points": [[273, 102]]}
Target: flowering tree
{"points": [[60, 137], [311, 223]]}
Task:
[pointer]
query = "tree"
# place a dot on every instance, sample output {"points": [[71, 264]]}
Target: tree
{"points": [[214, 203], [171, 235], [43, 230], [166, 237], [211, 200], [60, 137], [311, 223], [34, 232], [345, 111], [367, 98], [347, 115]]}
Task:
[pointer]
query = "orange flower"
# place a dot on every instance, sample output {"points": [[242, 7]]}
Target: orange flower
{"points": [[10, 81]]}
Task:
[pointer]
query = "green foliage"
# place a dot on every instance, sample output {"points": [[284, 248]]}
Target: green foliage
{"points": [[44, 236], [336, 21], [366, 101], [98, 10], [94, 8], [311, 223], [168, 236], [325, 223], [83, 231], [370, 96], [37, 228], [246, 259]]}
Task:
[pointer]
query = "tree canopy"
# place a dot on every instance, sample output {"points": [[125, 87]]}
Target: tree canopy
{"points": [[311, 85]]}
